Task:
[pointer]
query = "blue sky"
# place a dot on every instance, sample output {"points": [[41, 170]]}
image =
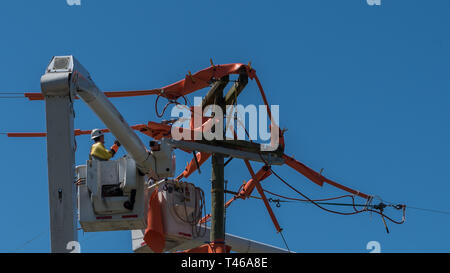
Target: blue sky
{"points": [[363, 91]]}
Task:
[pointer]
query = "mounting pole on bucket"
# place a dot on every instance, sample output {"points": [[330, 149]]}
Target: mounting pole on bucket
{"points": [[58, 93]]}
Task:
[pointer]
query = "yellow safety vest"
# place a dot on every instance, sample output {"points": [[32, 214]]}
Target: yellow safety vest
{"points": [[99, 151]]}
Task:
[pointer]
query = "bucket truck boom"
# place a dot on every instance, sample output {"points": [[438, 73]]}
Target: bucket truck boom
{"points": [[64, 79]]}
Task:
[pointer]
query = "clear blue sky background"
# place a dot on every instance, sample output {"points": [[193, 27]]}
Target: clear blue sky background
{"points": [[363, 90]]}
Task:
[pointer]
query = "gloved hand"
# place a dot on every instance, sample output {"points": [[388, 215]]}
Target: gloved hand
{"points": [[117, 143]]}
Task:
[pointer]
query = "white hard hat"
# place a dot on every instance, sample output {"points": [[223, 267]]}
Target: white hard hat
{"points": [[96, 133]]}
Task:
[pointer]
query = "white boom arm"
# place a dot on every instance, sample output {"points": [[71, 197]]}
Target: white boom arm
{"points": [[64, 79], [72, 73]]}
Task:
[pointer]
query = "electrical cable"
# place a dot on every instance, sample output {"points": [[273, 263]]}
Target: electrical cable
{"points": [[167, 105], [199, 197], [228, 161], [356, 211], [30, 241], [304, 200], [12, 95], [430, 210]]}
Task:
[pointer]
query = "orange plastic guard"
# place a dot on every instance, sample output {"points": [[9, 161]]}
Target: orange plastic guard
{"points": [[208, 248], [192, 166], [301, 168], [318, 178], [115, 148], [154, 234], [157, 130], [262, 174], [189, 84], [202, 79]]}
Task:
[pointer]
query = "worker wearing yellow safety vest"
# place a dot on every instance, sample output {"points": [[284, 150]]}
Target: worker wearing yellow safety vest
{"points": [[98, 150]]}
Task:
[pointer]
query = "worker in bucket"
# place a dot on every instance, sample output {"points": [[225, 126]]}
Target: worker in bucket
{"points": [[98, 150]]}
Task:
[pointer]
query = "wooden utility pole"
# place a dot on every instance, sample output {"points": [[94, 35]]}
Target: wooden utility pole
{"points": [[215, 96], [217, 236]]}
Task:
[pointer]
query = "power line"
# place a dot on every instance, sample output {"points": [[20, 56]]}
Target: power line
{"points": [[12, 95], [430, 210], [286, 199], [30, 241], [389, 204], [379, 208]]}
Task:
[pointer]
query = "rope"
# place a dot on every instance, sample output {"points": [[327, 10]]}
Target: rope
{"points": [[284, 240]]}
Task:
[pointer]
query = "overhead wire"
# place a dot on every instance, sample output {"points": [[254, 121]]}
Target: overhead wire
{"points": [[366, 208], [30, 240], [430, 210], [356, 211], [169, 102], [12, 95]]}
